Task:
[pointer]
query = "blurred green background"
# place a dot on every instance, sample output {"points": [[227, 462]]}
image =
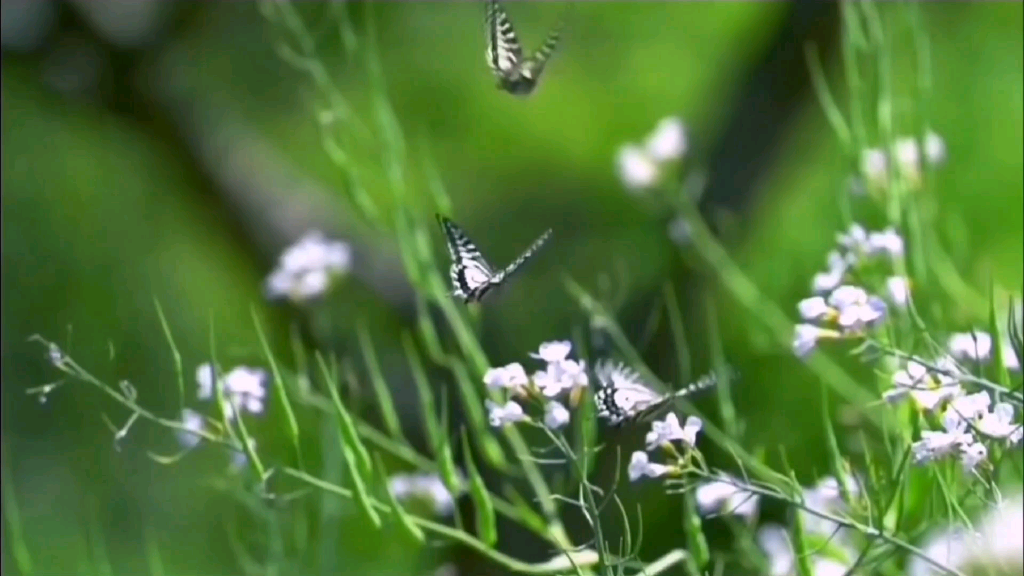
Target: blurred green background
{"points": [[162, 151]]}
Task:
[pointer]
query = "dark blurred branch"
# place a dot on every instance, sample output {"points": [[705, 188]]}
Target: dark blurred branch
{"points": [[776, 90]]}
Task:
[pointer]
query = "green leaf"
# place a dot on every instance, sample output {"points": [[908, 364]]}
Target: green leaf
{"points": [[380, 386], [346, 427], [404, 520], [486, 521]]}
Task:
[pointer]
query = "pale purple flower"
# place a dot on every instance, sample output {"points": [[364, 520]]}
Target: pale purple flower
{"points": [[667, 141], [511, 376], [502, 414], [637, 170], [554, 351], [874, 167], [829, 280], [938, 444], [975, 345], [423, 487], [668, 430], [244, 388], [640, 465], [306, 269], [886, 242], [725, 497], [806, 337], [934, 149], [555, 415], [898, 289], [814, 309], [907, 154], [999, 424], [193, 422]]}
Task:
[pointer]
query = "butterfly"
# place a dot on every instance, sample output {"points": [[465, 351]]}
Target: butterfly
{"points": [[515, 74], [622, 396], [472, 277]]}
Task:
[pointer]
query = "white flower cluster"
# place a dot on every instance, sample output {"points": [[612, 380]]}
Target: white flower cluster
{"points": [[840, 309], [995, 547], [244, 391], [907, 159], [306, 269], [561, 376], [641, 166], [424, 488], [835, 558], [663, 433], [968, 420]]}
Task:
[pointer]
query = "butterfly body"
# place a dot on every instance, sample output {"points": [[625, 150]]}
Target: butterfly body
{"points": [[471, 275], [622, 396], [516, 74]]}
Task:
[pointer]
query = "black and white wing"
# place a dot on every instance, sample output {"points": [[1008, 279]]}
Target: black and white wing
{"points": [[523, 258], [622, 396], [504, 53], [534, 65], [471, 275]]}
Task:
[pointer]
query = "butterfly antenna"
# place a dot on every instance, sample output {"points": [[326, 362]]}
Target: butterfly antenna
{"points": [[527, 254]]}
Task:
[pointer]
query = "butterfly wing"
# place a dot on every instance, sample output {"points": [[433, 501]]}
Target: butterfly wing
{"points": [[534, 66], [621, 395], [470, 273], [504, 53], [523, 258]]}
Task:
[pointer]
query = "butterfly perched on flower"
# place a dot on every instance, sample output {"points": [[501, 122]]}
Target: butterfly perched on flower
{"points": [[472, 277], [622, 395], [516, 74]]}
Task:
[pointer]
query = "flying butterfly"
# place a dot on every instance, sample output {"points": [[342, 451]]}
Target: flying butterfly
{"points": [[516, 75], [622, 395], [472, 277]]}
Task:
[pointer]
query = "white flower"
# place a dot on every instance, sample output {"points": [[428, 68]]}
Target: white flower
{"points": [[667, 141], [553, 351], [855, 239], [637, 170], [561, 376], [934, 149], [664, 432], [193, 422], [725, 497], [995, 549], [306, 268], [856, 308], [874, 166], [972, 455], [830, 279], [898, 288], [975, 345], [908, 157], [424, 487], [555, 415], [501, 414], [999, 424], [971, 406], [806, 337], [948, 547], [814, 309], [640, 465], [774, 542], [244, 387], [509, 376], [930, 391], [887, 242], [935, 444]]}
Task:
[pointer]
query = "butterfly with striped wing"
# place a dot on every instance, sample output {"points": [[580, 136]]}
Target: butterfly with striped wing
{"points": [[472, 277], [516, 75], [622, 396]]}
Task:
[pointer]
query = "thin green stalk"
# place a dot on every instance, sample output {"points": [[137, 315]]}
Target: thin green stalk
{"points": [[13, 535], [282, 393]]}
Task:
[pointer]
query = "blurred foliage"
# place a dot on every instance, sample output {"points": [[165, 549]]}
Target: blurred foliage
{"points": [[110, 204]]}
